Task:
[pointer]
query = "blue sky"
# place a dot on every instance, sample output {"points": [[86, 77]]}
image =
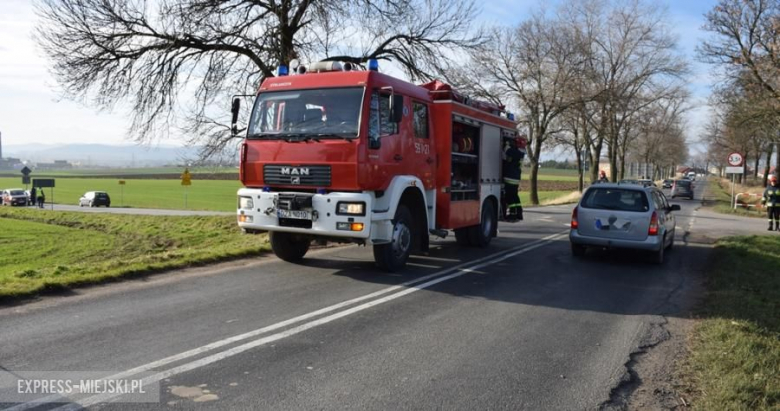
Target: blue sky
{"points": [[32, 112]]}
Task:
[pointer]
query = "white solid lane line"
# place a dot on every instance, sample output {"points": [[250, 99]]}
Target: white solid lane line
{"points": [[89, 401], [273, 327]]}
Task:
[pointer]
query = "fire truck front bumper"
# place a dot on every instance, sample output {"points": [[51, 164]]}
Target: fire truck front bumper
{"points": [[346, 215]]}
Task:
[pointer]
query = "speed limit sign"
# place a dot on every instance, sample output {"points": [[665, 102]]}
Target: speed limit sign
{"points": [[735, 159]]}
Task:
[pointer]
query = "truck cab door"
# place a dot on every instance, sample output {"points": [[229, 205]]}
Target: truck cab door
{"points": [[385, 142], [421, 153]]}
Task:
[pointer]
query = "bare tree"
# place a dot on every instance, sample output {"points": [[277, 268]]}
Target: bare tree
{"points": [[747, 37], [179, 61], [531, 66], [631, 63]]}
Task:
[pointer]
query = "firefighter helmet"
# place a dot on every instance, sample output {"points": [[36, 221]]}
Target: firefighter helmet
{"points": [[603, 173], [773, 178]]}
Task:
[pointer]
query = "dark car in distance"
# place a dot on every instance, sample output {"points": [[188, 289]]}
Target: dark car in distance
{"points": [[668, 183], [95, 199], [682, 188]]}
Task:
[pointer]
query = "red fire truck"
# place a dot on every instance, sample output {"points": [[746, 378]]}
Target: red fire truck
{"points": [[338, 153]]}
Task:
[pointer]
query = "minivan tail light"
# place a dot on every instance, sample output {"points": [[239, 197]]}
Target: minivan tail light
{"points": [[653, 230], [575, 224]]}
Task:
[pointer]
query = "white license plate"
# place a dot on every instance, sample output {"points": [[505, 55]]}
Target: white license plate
{"points": [[297, 214]]}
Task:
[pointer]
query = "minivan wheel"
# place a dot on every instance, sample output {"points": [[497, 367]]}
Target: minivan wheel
{"points": [[577, 250], [658, 256]]}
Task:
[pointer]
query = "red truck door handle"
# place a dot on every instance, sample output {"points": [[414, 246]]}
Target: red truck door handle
{"points": [[398, 157]]}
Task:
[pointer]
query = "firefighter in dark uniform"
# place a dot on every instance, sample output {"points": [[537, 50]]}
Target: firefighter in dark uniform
{"points": [[514, 152], [603, 177], [771, 199]]}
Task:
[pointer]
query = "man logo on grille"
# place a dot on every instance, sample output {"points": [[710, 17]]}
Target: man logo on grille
{"points": [[295, 180], [295, 171]]}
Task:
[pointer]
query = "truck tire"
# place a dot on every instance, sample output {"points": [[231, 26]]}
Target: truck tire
{"points": [[288, 246], [462, 236], [481, 234], [392, 257]]}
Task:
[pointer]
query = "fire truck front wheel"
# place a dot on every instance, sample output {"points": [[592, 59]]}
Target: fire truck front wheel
{"points": [[288, 246], [392, 257]]}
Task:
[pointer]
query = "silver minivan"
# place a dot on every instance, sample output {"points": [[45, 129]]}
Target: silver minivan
{"points": [[623, 216]]}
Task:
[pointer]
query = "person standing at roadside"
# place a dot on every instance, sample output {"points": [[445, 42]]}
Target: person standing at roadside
{"points": [[603, 177], [33, 196], [771, 200], [41, 198], [514, 152]]}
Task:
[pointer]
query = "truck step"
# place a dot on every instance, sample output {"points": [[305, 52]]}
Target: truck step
{"points": [[439, 232]]}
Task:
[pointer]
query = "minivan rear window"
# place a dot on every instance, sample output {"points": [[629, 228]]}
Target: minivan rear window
{"points": [[618, 199]]}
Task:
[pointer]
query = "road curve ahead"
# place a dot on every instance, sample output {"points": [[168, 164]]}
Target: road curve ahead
{"points": [[520, 324]]}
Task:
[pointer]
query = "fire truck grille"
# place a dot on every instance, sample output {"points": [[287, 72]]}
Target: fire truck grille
{"points": [[276, 174]]}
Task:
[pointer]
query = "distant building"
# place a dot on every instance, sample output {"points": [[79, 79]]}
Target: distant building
{"points": [[10, 163], [56, 165]]}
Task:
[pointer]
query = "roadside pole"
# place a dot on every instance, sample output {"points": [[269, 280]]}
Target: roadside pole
{"points": [[736, 166], [186, 181], [122, 193]]}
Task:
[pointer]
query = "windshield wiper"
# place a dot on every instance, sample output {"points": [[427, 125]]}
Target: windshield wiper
{"points": [[261, 135], [334, 135]]}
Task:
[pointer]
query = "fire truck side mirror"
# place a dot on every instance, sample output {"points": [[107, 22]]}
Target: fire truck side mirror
{"points": [[234, 111], [396, 108]]}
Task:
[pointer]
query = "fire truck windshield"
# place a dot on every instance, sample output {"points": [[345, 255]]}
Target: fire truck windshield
{"points": [[307, 114]]}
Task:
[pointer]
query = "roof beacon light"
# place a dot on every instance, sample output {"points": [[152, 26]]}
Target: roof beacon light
{"points": [[373, 64], [281, 71], [510, 116]]}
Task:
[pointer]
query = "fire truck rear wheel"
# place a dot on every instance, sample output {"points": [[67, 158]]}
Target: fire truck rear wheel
{"points": [[462, 236], [392, 257], [288, 246], [481, 234]]}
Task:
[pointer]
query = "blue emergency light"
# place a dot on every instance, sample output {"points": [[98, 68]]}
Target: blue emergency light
{"points": [[322, 191], [282, 71], [266, 189], [373, 64], [510, 116]]}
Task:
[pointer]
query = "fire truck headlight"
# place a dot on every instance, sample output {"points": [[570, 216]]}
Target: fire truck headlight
{"points": [[351, 208], [245, 203]]}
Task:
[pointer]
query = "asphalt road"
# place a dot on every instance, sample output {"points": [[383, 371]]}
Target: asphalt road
{"points": [[519, 325]]}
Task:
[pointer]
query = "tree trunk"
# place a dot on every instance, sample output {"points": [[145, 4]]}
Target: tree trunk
{"points": [[537, 151], [767, 166], [580, 172], [777, 158], [755, 165]]}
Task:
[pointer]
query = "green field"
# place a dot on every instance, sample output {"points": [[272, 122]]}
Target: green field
{"points": [[553, 174], [734, 361], [41, 250], [212, 195]]}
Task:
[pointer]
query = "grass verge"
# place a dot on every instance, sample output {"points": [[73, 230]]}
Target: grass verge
{"points": [[42, 250], [734, 361], [544, 196], [719, 199]]}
